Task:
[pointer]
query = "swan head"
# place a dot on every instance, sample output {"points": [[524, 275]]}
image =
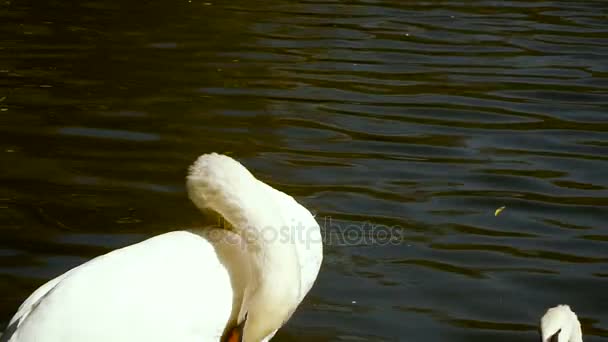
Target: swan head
{"points": [[560, 324], [273, 291]]}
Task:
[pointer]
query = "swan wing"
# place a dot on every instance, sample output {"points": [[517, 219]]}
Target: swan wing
{"points": [[172, 287]]}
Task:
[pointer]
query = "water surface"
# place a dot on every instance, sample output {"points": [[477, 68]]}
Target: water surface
{"points": [[402, 124]]}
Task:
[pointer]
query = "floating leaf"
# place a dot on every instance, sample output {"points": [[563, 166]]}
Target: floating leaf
{"points": [[499, 210]]}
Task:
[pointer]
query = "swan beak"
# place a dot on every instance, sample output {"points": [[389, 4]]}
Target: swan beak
{"points": [[236, 334]]}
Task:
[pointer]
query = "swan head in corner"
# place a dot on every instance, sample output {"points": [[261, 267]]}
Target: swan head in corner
{"points": [[221, 184], [560, 324]]}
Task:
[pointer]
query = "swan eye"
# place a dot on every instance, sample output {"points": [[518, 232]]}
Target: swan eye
{"points": [[555, 337]]}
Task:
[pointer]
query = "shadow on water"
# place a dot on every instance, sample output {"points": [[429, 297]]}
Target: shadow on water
{"points": [[402, 125]]}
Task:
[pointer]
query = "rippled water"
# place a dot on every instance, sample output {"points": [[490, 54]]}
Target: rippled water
{"points": [[402, 124]]}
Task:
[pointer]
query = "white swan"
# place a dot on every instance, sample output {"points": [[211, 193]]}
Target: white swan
{"points": [[237, 284], [560, 324]]}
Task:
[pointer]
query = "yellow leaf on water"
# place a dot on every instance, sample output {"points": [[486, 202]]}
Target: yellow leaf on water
{"points": [[499, 210]]}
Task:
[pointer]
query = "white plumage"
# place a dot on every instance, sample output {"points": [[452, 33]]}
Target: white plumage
{"points": [[188, 286], [560, 324]]}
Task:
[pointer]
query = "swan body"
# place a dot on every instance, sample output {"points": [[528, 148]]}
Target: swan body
{"points": [[560, 324], [189, 286]]}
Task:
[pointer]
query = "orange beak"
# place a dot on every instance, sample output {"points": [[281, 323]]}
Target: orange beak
{"points": [[235, 335]]}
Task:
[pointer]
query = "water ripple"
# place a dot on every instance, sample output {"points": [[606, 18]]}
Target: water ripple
{"points": [[403, 124]]}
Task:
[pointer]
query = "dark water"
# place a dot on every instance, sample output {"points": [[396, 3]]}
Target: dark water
{"points": [[412, 120]]}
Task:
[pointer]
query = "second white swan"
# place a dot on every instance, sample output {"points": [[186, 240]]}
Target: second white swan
{"points": [[560, 324]]}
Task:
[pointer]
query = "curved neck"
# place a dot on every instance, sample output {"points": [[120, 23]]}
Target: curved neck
{"points": [[577, 334], [224, 186], [273, 292]]}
